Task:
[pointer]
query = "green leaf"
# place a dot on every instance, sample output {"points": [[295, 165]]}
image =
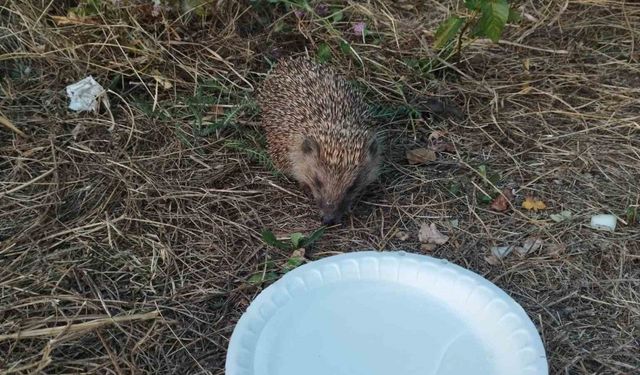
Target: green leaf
{"points": [[454, 188], [345, 47], [312, 238], [562, 216], [411, 63], [255, 278], [514, 16], [494, 17], [270, 239], [94, 6], [482, 169], [484, 198], [292, 263], [260, 277], [195, 6], [295, 240], [447, 31], [324, 53], [337, 16], [279, 26], [472, 4], [632, 215], [493, 178]]}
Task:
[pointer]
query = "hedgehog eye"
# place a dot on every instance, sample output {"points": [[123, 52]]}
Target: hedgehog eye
{"points": [[306, 189], [318, 182], [352, 189]]}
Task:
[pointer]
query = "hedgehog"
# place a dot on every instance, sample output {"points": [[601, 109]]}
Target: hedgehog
{"points": [[319, 132]]}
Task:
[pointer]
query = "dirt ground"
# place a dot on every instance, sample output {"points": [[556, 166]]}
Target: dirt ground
{"points": [[150, 211]]}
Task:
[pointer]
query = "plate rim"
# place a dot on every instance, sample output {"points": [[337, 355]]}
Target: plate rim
{"points": [[254, 315]]}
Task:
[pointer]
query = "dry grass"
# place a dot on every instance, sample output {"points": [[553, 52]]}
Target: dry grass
{"points": [[150, 212]]}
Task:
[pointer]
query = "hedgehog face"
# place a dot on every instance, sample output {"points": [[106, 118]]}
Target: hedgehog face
{"points": [[335, 186]]}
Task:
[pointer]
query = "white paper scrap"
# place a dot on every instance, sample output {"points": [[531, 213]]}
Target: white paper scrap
{"points": [[84, 94]]}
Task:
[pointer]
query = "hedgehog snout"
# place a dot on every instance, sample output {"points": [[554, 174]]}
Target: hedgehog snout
{"points": [[331, 218], [328, 220], [331, 214]]}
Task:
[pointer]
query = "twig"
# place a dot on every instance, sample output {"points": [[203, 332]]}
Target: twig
{"points": [[33, 181], [9, 125], [54, 331]]}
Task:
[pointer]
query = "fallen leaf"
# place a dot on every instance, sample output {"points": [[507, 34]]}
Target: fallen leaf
{"points": [[420, 156], [428, 246], [217, 109], [454, 188], [531, 203], [492, 260], [162, 80], [437, 142], [431, 235], [402, 236], [556, 249], [482, 169], [262, 277], [562, 216], [299, 253], [484, 198], [501, 202], [295, 260], [441, 146], [530, 245], [501, 251], [633, 215], [437, 134]]}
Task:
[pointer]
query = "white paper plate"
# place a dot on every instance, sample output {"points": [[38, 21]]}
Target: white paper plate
{"points": [[384, 313]]}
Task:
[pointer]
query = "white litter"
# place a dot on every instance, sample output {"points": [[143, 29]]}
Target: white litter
{"points": [[604, 222], [530, 245], [84, 95], [501, 251]]}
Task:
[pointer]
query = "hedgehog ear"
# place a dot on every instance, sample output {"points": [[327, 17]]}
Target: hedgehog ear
{"points": [[373, 149], [309, 146]]}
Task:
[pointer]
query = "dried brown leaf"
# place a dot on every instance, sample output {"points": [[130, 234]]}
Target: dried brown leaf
{"points": [[420, 156], [428, 247], [437, 142], [492, 260], [431, 235], [437, 134], [501, 202], [402, 236]]}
